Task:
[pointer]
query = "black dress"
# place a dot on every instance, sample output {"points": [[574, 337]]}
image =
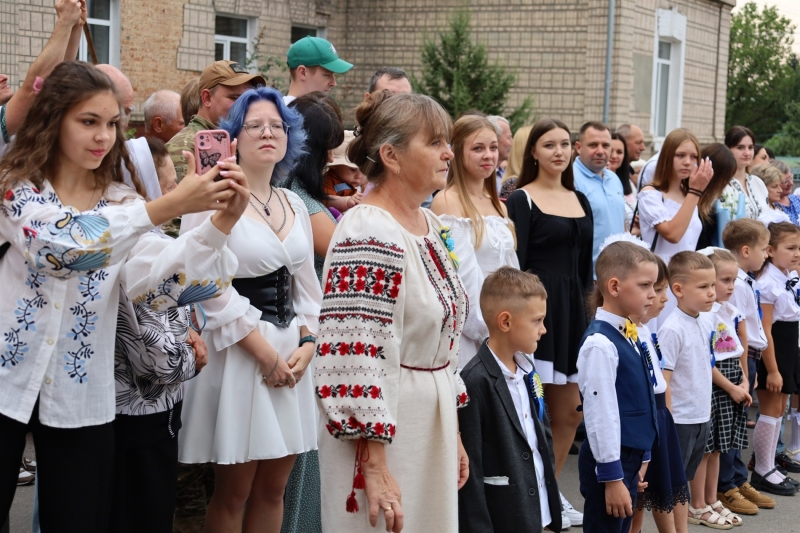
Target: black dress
{"points": [[559, 251]]}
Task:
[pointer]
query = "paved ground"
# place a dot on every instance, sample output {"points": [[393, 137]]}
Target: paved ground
{"points": [[782, 519]]}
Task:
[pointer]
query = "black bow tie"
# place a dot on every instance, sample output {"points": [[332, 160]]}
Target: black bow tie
{"points": [[790, 283], [750, 278]]}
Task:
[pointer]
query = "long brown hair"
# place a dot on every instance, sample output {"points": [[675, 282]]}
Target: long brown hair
{"points": [[35, 154], [530, 169], [463, 129], [724, 164]]}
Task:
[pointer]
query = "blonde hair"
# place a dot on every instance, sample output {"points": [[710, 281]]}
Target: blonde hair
{"points": [[768, 173], [506, 289], [463, 129], [743, 232], [683, 264], [517, 153], [721, 255]]}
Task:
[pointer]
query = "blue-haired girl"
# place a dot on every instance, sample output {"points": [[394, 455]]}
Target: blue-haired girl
{"points": [[252, 410]]}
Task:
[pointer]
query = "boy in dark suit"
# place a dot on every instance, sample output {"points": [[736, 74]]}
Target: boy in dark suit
{"points": [[504, 428]]}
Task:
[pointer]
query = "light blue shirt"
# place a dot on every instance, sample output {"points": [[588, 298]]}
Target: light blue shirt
{"points": [[606, 198]]}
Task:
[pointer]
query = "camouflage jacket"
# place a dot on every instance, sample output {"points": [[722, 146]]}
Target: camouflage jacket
{"points": [[184, 140]]}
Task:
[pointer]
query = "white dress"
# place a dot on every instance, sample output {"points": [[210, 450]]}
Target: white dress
{"points": [[230, 415], [496, 250], [390, 324], [653, 210]]}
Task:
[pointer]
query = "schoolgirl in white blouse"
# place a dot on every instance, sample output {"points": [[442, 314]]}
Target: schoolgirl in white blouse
{"points": [[482, 233], [741, 141], [70, 225], [776, 375], [668, 207]]}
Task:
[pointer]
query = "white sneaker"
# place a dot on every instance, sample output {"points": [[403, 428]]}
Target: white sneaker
{"points": [[565, 523], [574, 516]]}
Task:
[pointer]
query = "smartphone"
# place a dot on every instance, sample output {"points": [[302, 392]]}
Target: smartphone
{"points": [[211, 146]]}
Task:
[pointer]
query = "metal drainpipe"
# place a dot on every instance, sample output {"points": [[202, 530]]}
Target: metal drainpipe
{"points": [[609, 56]]}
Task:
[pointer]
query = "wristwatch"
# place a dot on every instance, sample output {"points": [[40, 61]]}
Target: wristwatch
{"points": [[308, 338]]}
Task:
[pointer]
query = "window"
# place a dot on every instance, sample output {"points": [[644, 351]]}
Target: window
{"points": [[103, 20], [668, 64], [232, 38], [663, 64], [298, 32]]}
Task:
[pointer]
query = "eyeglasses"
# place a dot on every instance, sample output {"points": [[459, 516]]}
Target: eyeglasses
{"points": [[256, 129]]}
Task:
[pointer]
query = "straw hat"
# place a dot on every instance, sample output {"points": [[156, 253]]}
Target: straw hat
{"points": [[340, 153]]}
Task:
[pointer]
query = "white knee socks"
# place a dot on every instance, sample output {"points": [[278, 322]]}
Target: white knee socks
{"points": [[765, 441], [794, 446]]}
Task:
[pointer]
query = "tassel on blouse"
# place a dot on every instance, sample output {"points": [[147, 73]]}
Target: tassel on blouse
{"points": [[358, 475]]}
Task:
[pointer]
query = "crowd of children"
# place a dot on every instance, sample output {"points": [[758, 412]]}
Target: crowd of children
{"points": [[666, 411]]}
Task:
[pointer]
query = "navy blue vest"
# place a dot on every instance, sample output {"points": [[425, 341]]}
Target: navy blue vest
{"points": [[637, 408]]}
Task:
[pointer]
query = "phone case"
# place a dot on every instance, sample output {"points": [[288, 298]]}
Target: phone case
{"points": [[210, 146]]}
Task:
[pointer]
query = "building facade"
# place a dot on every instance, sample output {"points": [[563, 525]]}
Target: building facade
{"points": [[669, 63]]}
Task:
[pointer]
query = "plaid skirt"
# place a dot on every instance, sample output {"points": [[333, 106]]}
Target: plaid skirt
{"points": [[728, 419]]}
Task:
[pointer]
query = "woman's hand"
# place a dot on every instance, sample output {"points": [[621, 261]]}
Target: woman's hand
{"points": [[282, 374], [300, 359], [740, 396], [227, 218], [381, 489], [701, 175], [200, 349], [463, 464], [774, 382]]}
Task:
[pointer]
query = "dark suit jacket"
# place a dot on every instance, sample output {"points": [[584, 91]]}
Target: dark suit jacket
{"points": [[496, 445]]}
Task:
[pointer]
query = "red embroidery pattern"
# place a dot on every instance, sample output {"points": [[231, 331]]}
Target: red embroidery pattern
{"points": [[462, 400], [353, 428], [350, 391], [364, 280], [350, 348]]}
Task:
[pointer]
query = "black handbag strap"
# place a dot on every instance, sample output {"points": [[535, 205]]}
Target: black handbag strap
{"points": [[655, 239]]}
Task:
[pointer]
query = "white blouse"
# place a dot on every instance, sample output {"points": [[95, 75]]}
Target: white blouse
{"points": [[755, 202], [771, 215], [58, 315], [772, 283], [649, 341], [655, 209], [726, 341], [496, 250]]}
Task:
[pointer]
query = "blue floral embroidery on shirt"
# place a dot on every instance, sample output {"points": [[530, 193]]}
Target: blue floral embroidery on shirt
{"points": [[85, 324], [25, 312], [76, 363]]}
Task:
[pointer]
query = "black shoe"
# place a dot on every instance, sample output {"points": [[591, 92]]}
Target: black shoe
{"points": [[573, 450], [784, 488], [787, 463]]}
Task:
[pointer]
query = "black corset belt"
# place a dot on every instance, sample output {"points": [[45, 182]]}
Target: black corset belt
{"points": [[270, 294]]}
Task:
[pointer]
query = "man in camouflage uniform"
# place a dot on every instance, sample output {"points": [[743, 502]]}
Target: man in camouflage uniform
{"points": [[221, 83]]}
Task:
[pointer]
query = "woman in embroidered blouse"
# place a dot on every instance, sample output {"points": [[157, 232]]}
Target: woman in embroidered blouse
{"points": [[554, 228], [392, 313], [789, 203], [252, 410], [469, 206], [71, 224], [741, 141], [771, 177]]}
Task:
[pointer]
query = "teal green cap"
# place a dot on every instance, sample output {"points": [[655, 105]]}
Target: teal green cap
{"points": [[316, 52]]}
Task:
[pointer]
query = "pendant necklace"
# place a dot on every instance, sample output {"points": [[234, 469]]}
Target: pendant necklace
{"points": [[265, 205], [283, 207]]}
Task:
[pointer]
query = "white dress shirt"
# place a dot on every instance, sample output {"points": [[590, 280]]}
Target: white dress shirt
{"points": [[597, 376], [745, 299], [522, 403], [772, 284]]}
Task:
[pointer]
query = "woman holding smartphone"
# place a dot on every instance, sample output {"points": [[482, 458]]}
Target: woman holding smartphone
{"points": [[71, 225]]}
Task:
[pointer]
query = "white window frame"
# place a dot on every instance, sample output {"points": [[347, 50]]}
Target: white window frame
{"points": [[226, 40], [113, 35], [671, 28]]}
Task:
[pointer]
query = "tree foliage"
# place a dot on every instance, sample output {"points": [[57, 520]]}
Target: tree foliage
{"points": [[458, 74], [762, 70], [787, 142]]}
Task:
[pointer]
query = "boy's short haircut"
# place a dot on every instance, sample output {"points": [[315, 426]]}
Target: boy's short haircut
{"points": [[619, 259], [744, 232], [506, 288], [683, 264], [663, 271]]}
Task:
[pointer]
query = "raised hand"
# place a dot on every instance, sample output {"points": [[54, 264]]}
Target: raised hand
{"points": [[70, 11], [229, 170], [701, 175]]}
